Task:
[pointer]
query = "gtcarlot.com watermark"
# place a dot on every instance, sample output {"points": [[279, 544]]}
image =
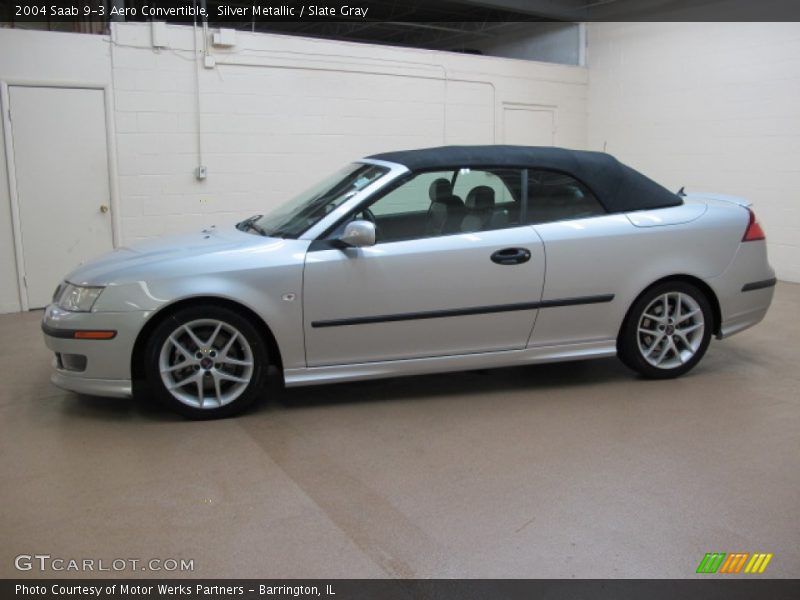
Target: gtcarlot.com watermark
{"points": [[48, 563]]}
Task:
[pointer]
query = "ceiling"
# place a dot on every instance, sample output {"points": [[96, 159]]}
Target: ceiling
{"points": [[463, 25], [456, 25]]}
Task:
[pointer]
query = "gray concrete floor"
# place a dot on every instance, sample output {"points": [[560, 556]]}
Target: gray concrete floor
{"points": [[568, 470]]}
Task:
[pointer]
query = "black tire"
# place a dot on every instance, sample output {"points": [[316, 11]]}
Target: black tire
{"points": [[217, 385], [686, 346]]}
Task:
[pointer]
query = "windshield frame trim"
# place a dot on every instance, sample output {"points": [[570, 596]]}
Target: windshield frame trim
{"points": [[395, 171]]}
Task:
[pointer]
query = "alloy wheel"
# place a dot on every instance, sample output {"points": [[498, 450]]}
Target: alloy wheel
{"points": [[206, 363], [670, 330]]}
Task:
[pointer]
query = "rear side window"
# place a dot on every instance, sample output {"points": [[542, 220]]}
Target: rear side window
{"points": [[556, 196]]}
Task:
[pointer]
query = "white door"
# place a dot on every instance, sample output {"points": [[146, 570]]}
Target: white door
{"points": [[61, 167], [528, 126]]}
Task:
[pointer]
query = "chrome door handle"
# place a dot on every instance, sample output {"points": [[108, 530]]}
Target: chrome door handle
{"points": [[511, 256]]}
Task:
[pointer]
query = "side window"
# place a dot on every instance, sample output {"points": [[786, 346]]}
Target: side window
{"points": [[409, 212], [447, 202], [410, 197], [469, 179], [491, 198], [556, 196]]}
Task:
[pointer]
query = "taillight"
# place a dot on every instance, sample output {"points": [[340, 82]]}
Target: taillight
{"points": [[753, 231]]}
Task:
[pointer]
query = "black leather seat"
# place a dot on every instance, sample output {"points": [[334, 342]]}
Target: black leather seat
{"points": [[446, 210]]}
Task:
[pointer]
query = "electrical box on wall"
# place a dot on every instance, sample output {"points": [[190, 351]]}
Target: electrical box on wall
{"points": [[225, 38]]}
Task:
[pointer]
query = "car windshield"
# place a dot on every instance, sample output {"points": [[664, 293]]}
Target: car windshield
{"points": [[297, 215]]}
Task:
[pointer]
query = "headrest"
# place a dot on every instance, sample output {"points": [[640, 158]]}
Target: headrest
{"points": [[481, 197], [439, 189]]}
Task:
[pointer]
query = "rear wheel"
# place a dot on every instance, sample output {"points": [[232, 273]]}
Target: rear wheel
{"points": [[667, 330], [206, 362]]}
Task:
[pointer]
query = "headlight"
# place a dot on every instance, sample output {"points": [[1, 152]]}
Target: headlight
{"points": [[78, 298]]}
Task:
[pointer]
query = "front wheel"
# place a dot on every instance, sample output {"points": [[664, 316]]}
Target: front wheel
{"points": [[667, 330], [206, 362]]}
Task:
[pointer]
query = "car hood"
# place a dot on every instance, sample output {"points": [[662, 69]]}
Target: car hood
{"points": [[211, 249]]}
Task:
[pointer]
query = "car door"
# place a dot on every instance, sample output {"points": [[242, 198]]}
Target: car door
{"points": [[429, 287], [589, 253]]}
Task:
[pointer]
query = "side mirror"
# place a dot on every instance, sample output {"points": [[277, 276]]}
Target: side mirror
{"points": [[358, 234]]}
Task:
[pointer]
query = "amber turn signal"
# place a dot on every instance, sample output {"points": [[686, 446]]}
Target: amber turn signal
{"points": [[94, 335]]}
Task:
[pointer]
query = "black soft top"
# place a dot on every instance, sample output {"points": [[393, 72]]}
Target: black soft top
{"points": [[619, 187]]}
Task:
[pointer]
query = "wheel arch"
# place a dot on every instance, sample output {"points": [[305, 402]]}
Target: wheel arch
{"points": [[706, 289], [164, 312]]}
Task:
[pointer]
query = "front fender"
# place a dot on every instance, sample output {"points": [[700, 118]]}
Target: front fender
{"points": [[270, 286]]}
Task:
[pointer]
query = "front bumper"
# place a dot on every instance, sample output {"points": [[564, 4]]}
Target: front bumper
{"points": [[98, 367], [110, 388]]}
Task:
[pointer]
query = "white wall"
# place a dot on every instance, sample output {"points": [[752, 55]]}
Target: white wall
{"points": [[35, 57], [712, 106], [276, 113], [709, 106]]}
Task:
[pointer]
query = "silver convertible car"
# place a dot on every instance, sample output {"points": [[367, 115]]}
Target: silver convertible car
{"points": [[418, 261]]}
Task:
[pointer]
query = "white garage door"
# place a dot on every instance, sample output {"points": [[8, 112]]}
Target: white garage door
{"points": [[61, 167]]}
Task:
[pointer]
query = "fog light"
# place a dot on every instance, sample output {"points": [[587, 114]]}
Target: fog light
{"points": [[71, 362]]}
